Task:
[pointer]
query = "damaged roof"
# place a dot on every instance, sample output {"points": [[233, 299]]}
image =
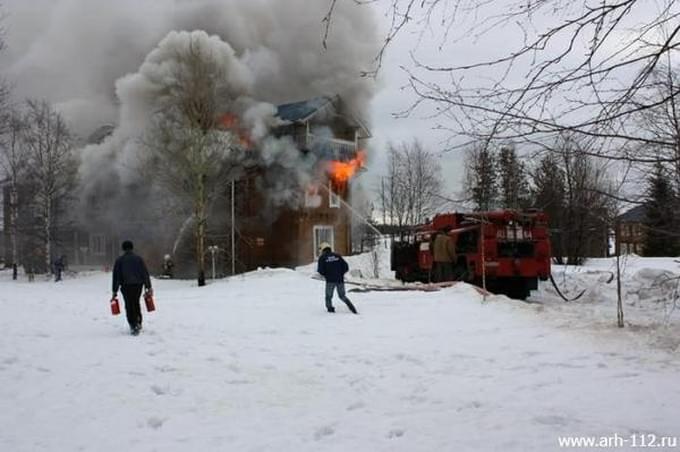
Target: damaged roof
{"points": [[301, 111], [305, 110]]}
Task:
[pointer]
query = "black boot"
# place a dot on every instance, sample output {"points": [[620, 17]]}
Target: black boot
{"points": [[331, 309], [351, 307]]}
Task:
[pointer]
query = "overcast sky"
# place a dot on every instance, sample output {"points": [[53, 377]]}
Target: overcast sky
{"points": [[29, 20]]}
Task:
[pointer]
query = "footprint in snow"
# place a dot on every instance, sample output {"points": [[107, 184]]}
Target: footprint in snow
{"points": [[627, 375], [158, 390], [396, 433], [474, 405], [322, 432], [155, 422], [553, 420], [356, 406]]}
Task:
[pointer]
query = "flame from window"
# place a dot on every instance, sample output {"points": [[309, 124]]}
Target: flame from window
{"points": [[341, 172], [231, 122]]}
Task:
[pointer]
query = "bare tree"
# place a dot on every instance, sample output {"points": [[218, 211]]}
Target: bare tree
{"points": [[662, 123], [574, 67], [411, 190], [52, 168], [190, 154], [588, 208], [13, 159], [5, 113]]}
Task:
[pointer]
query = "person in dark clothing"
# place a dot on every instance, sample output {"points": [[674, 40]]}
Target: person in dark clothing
{"points": [[333, 268], [130, 275], [59, 266], [168, 266]]}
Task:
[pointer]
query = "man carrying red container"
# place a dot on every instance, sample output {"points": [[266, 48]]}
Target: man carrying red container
{"points": [[131, 276]]}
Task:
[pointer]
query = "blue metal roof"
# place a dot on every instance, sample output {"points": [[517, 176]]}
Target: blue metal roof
{"points": [[298, 111], [637, 214]]}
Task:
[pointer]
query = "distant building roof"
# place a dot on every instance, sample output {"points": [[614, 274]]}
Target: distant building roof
{"points": [[301, 111], [102, 133], [637, 214]]}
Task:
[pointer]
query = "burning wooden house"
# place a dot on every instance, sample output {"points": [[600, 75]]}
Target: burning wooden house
{"points": [[247, 225], [333, 139]]}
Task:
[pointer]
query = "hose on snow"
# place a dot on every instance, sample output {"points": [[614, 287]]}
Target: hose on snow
{"points": [[552, 280]]}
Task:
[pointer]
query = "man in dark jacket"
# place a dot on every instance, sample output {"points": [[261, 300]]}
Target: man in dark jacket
{"points": [[59, 266], [333, 268], [130, 275]]}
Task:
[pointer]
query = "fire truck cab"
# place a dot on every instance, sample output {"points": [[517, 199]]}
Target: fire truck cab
{"points": [[508, 249]]}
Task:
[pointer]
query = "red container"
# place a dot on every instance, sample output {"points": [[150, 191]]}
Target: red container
{"points": [[115, 307], [148, 300]]}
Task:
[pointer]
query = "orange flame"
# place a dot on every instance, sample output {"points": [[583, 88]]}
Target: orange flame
{"points": [[229, 121], [342, 172]]}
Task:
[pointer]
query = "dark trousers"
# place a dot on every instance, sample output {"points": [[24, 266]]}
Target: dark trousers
{"points": [[133, 310], [340, 287], [443, 271]]}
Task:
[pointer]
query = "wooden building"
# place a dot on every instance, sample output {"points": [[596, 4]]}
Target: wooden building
{"points": [[631, 229], [325, 132]]}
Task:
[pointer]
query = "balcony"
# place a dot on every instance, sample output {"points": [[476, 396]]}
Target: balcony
{"points": [[327, 148]]}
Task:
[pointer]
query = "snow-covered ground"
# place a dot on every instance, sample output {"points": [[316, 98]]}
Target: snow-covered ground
{"points": [[651, 299], [254, 363]]}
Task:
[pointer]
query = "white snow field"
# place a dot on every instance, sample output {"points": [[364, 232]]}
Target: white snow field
{"points": [[254, 363]]}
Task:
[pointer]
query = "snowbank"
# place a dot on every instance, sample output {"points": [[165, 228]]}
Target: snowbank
{"points": [[649, 290]]}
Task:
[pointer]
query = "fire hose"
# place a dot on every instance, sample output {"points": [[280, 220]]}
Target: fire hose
{"points": [[552, 280]]}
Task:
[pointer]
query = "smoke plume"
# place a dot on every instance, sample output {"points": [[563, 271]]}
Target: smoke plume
{"points": [[71, 52], [102, 62]]}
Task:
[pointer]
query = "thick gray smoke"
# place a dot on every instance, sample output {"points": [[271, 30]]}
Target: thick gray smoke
{"points": [[71, 52], [88, 58]]}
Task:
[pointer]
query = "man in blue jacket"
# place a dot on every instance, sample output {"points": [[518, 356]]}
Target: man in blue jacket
{"points": [[130, 275], [333, 268]]}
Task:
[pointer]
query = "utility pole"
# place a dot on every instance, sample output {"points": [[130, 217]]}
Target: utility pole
{"points": [[481, 233], [619, 300]]}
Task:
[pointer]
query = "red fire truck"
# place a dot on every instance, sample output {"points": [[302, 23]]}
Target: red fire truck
{"points": [[508, 249]]}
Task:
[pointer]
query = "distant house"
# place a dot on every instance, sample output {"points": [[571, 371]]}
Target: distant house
{"points": [[631, 230]]}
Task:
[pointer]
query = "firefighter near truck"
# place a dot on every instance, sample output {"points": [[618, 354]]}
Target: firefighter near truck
{"points": [[505, 251]]}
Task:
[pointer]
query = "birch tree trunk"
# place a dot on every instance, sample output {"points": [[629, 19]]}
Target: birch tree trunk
{"points": [[201, 223], [47, 230], [13, 215]]}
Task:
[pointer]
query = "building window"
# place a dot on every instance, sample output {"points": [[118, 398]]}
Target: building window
{"points": [[98, 244], [323, 234], [333, 198], [312, 197]]}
